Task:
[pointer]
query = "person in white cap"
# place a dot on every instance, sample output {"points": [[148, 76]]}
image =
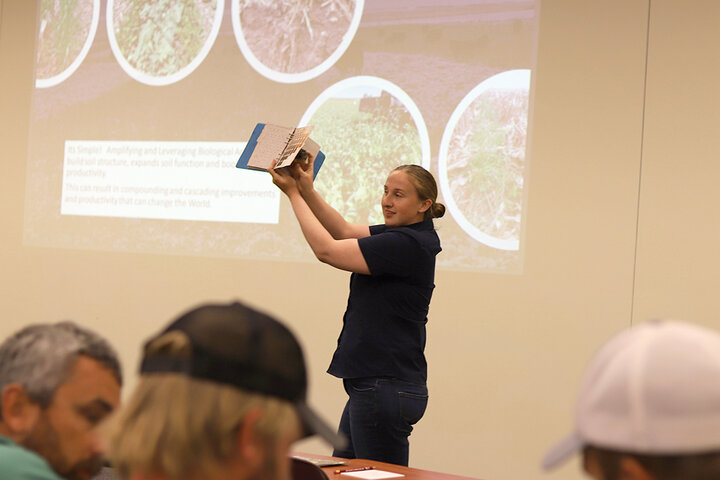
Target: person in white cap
{"points": [[649, 406]]}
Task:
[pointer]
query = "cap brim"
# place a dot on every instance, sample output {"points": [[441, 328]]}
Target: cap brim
{"points": [[314, 425], [562, 451]]}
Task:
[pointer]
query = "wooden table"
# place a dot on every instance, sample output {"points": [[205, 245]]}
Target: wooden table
{"points": [[410, 473]]}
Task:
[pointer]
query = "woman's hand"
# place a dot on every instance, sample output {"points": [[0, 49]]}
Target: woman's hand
{"points": [[283, 179], [302, 172]]}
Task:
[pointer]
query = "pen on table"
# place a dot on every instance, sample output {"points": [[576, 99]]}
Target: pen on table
{"points": [[359, 469]]}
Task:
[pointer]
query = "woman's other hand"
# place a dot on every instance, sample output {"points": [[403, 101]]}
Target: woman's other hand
{"points": [[283, 179]]}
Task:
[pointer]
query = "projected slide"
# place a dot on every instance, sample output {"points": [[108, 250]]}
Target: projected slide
{"points": [[141, 110]]}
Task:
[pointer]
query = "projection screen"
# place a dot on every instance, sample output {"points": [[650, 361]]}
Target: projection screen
{"points": [[141, 109]]}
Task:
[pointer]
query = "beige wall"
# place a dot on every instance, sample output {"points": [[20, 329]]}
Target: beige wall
{"points": [[622, 225]]}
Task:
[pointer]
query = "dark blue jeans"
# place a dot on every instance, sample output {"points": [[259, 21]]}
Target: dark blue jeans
{"points": [[379, 416]]}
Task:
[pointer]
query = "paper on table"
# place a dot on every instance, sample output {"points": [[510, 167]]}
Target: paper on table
{"points": [[373, 474]]}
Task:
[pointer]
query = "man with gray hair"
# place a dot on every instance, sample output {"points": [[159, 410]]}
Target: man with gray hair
{"points": [[57, 382]]}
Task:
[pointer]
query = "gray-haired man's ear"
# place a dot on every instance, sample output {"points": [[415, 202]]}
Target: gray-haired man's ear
{"points": [[19, 412]]}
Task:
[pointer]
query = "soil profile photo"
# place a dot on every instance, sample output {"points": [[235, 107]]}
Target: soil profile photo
{"points": [[486, 162], [366, 137], [159, 38], [293, 36], [64, 30]]}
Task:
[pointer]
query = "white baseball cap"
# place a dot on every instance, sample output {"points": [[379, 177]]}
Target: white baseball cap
{"points": [[652, 389]]}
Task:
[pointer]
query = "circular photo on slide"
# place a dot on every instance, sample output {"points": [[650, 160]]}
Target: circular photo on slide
{"points": [[292, 41], [159, 42], [366, 126], [67, 30], [482, 161]]}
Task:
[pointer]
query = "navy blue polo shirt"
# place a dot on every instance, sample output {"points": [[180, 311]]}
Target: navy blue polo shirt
{"points": [[383, 331]]}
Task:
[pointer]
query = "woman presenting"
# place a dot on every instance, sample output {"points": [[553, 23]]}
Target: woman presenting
{"points": [[380, 352]]}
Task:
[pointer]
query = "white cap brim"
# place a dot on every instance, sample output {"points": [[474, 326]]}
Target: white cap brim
{"points": [[563, 450]]}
